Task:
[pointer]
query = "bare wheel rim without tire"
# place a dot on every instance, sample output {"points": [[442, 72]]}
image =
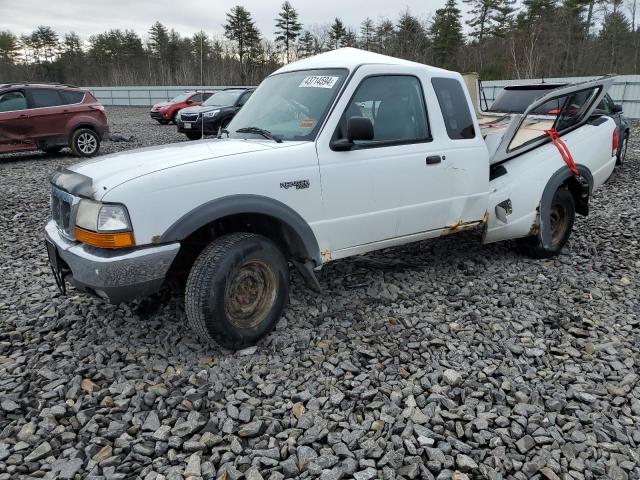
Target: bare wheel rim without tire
{"points": [[87, 143], [250, 294], [559, 221]]}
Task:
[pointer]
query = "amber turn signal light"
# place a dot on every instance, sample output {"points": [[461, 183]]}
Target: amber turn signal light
{"points": [[104, 239]]}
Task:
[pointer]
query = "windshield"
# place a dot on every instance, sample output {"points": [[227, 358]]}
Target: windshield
{"points": [[517, 100], [291, 106], [224, 99], [181, 98]]}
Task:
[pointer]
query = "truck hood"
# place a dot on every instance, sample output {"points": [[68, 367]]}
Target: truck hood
{"points": [[112, 170]]}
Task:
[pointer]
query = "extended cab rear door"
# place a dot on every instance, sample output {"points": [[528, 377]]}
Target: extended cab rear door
{"points": [[563, 109]]}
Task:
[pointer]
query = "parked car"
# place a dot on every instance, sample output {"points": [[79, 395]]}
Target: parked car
{"points": [[49, 117], [608, 107], [515, 99], [165, 112], [333, 156], [214, 114]]}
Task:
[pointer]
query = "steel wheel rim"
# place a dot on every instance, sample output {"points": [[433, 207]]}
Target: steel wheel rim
{"points": [[87, 143], [558, 221], [250, 294]]}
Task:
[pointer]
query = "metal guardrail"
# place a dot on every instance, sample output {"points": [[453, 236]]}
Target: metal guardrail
{"points": [[625, 90], [144, 96]]}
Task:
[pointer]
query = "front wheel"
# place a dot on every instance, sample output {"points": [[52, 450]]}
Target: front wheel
{"points": [[237, 289], [85, 142], [562, 214], [194, 136]]}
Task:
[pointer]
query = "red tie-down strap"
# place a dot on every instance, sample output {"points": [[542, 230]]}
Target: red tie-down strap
{"points": [[563, 149]]}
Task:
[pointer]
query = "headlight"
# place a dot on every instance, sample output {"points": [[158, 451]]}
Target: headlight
{"points": [[210, 114], [103, 225]]}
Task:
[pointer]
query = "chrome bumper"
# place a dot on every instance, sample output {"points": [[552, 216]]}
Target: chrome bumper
{"points": [[115, 275]]}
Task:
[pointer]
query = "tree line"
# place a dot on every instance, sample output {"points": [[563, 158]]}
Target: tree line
{"points": [[536, 38]]}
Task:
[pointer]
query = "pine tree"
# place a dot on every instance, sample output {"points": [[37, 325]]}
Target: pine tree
{"points": [[482, 15], [385, 36], [411, 38], [159, 40], [367, 33], [503, 18], [8, 48], [288, 28], [241, 29], [336, 33], [307, 46], [446, 33]]}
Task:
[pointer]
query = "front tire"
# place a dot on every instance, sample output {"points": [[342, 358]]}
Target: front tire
{"points": [[163, 122], [562, 215], [85, 142], [194, 136], [237, 289]]}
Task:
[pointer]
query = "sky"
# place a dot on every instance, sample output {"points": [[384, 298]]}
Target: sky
{"points": [[87, 17]]}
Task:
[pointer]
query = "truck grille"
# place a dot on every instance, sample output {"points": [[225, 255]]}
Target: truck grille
{"points": [[189, 117], [62, 210]]}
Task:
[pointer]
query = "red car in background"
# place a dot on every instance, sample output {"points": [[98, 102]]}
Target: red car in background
{"points": [[165, 112], [49, 117]]}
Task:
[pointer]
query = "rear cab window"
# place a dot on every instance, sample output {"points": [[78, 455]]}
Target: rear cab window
{"points": [[45, 97], [454, 107]]}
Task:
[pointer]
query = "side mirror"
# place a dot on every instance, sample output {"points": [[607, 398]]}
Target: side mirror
{"points": [[358, 128], [617, 108], [189, 102]]}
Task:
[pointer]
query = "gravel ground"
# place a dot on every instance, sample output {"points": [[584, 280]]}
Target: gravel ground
{"points": [[443, 359]]}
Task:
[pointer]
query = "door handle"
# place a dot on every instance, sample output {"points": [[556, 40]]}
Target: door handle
{"points": [[23, 116], [433, 159]]}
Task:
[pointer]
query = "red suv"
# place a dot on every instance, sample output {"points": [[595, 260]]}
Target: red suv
{"points": [[50, 117], [165, 112]]}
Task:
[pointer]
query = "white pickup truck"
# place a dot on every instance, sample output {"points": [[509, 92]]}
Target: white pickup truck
{"points": [[333, 156]]}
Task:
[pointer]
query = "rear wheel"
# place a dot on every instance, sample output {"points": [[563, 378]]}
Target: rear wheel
{"points": [[237, 289], [622, 152], [194, 136], [85, 142], [562, 214]]}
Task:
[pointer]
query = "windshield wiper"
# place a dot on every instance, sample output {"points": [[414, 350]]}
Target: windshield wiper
{"points": [[260, 131]]}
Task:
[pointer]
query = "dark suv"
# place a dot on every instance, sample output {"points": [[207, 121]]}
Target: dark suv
{"points": [[50, 117], [213, 114]]}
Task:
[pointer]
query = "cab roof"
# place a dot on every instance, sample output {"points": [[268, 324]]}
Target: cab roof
{"points": [[350, 58]]}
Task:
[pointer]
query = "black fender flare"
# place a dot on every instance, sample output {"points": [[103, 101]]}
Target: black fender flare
{"points": [[246, 204], [555, 181]]}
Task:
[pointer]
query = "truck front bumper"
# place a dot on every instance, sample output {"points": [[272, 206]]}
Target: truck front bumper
{"points": [[114, 275]]}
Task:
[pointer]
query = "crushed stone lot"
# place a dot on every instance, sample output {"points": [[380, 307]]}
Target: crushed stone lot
{"points": [[441, 359]]}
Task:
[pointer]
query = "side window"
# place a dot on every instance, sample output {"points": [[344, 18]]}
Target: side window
{"points": [[206, 95], [45, 97], [197, 97], [12, 102], [244, 98], [396, 107], [454, 107], [69, 97]]}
